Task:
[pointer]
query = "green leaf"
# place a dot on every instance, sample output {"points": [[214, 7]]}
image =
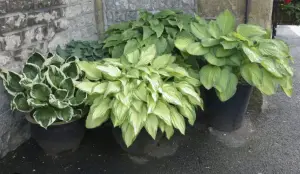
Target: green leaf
{"points": [[287, 85], [20, 103], [158, 28], [54, 76], [131, 46], [141, 92], [36, 59], [161, 126], [171, 95], [163, 112], [169, 131], [31, 71], [112, 88], [118, 51], [164, 13], [226, 85], [65, 114], [210, 42], [171, 31], [188, 111], [90, 70], [177, 120], [186, 89], [209, 75], [200, 20], [61, 94], [100, 88], [155, 81], [57, 103], [248, 30], [221, 52], [130, 33], [78, 99], [270, 65], [11, 83], [120, 112], [226, 22], [268, 85], [252, 53], [197, 49], [113, 37], [137, 119], [133, 57], [252, 74], [68, 85], [36, 103], [99, 112], [54, 60], [200, 31], [147, 55], [183, 40], [109, 71], [26, 83], [272, 47], [161, 45], [163, 61], [40, 92], [212, 59], [177, 71], [128, 134], [147, 32], [214, 30], [235, 59], [228, 45], [45, 116], [71, 70], [133, 73], [151, 125]]}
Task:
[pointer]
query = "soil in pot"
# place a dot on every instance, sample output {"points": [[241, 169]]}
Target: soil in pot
{"points": [[59, 138], [227, 116]]}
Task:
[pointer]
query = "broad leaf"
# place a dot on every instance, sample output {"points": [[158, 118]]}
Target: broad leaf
{"points": [[57, 103], [221, 52], [118, 51], [177, 71], [163, 112], [61, 94], [158, 28], [11, 83], [214, 30], [252, 53], [161, 45], [99, 112], [36, 59], [147, 32], [270, 65], [147, 55], [197, 49], [109, 71], [273, 48], [112, 88], [90, 70], [171, 95], [40, 92], [131, 46], [210, 42], [71, 70], [287, 85], [133, 57], [177, 120], [200, 31], [226, 22], [36, 103], [68, 85], [120, 112], [212, 59], [141, 92], [128, 134], [78, 99], [188, 111], [268, 85], [169, 131], [252, 74], [183, 40], [228, 45], [163, 61], [188, 90], [100, 88], [65, 114], [248, 30], [54, 76], [227, 85], [137, 119], [209, 75], [20, 103], [151, 125], [31, 71], [26, 83], [45, 116]]}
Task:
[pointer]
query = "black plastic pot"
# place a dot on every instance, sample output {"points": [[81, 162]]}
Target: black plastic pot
{"points": [[58, 137], [227, 116], [141, 145]]}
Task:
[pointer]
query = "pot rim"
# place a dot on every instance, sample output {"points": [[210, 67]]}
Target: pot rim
{"points": [[31, 120]]}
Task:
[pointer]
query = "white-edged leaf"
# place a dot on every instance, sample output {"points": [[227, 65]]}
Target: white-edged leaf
{"points": [[45, 116]]}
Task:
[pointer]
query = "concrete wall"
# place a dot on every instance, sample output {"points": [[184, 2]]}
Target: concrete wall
{"points": [[26, 25]]}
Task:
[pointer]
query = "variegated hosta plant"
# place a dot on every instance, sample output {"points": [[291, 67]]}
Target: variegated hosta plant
{"points": [[45, 89], [245, 54], [141, 90]]}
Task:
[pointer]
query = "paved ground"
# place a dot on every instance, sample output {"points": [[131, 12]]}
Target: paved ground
{"points": [[269, 143]]}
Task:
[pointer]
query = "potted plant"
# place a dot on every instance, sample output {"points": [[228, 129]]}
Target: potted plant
{"points": [[45, 91], [140, 90], [235, 60]]}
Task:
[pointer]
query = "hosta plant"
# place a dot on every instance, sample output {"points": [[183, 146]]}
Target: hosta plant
{"points": [[85, 50], [160, 29], [141, 90], [45, 89], [231, 55]]}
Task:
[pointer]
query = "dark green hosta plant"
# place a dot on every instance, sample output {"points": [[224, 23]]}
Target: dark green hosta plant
{"points": [[159, 29], [245, 54], [85, 50], [141, 90], [45, 89]]}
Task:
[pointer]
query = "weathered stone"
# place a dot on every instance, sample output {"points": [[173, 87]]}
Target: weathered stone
{"points": [[87, 6], [73, 11], [2, 7], [19, 5], [11, 23], [45, 17]]}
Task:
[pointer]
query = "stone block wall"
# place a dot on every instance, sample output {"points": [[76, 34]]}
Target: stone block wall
{"points": [[28, 25]]}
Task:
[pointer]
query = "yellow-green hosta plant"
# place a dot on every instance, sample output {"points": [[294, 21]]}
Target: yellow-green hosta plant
{"points": [[45, 89], [141, 90], [233, 55]]}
